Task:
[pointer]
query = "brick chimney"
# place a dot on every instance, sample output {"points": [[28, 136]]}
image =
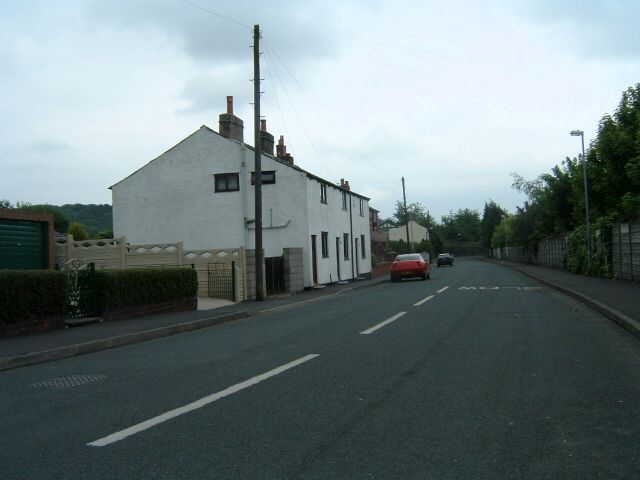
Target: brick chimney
{"points": [[230, 125], [266, 139], [281, 151], [345, 184]]}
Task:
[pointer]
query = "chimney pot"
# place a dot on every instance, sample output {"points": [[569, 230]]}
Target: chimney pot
{"points": [[230, 125], [263, 125]]}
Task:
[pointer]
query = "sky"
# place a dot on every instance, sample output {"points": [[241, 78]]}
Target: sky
{"points": [[454, 96]]}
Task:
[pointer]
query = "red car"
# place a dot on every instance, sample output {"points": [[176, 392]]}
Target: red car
{"points": [[409, 265]]}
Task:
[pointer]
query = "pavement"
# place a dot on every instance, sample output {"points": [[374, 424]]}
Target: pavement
{"points": [[26, 350], [617, 300]]}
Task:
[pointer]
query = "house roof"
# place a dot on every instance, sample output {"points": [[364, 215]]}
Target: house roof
{"points": [[272, 157]]}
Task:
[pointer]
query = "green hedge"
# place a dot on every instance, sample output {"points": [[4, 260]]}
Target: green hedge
{"points": [[29, 295], [120, 288]]}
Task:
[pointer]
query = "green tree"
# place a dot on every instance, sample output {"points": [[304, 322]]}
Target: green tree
{"points": [[60, 221], [491, 218], [463, 225], [78, 231], [106, 233], [4, 203]]}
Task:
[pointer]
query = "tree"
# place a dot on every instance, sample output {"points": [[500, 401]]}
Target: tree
{"points": [[106, 233], [462, 225], [503, 233], [415, 212], [491, 218], [4, 203], [60, 221], [78, 231]]}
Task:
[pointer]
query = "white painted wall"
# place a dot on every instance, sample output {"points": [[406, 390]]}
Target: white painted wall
{"points": [[173, 198], [417, 233]]}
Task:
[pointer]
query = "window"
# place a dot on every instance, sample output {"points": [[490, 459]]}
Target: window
{"points": [[268, 177], [345, 245], [364, 255], [226, 182], [325, 244], [323, 193], [344, 200], [361, 208]]}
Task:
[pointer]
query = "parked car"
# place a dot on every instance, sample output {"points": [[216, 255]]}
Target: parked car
{"points": [[409, 265], [445, 259]]}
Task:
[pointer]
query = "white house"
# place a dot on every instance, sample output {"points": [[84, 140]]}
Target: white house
{"points": [[201, 192], [417, 233]]}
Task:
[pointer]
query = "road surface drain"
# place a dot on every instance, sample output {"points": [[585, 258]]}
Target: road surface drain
{"points": [[69, 381]]}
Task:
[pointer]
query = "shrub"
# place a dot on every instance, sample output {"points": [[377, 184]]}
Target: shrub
{"points": [[30, 295], [120, 288]]}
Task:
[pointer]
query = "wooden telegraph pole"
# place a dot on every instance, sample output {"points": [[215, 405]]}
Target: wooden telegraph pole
{"points": [[406, 215], [258, 162]]}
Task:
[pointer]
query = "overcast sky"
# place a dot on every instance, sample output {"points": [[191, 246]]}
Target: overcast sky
{"points": [[452, 95]]}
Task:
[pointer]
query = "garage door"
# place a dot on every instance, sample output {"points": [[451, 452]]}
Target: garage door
{"points": [[22, 244]]}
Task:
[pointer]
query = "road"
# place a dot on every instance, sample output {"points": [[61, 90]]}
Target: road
{"points": [[479, 372]]}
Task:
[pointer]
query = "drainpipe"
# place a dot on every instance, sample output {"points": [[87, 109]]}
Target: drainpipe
{"points": [[351, 240]]}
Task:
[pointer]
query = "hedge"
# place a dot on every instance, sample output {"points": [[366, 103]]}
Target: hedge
{"points": [[34, 295], [31, 295], [140, 286]]}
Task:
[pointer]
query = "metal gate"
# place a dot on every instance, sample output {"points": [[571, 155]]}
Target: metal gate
{"points": [[222, 280], [81, 299], [274, 275]]}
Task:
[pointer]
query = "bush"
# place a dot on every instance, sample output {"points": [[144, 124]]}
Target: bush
{"points": [[120, 288], [31, 295]]}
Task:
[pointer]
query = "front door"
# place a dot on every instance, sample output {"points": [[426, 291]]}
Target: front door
{"points": [[356, 260], [313, 259]]}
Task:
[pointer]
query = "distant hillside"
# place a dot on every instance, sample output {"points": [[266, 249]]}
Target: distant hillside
{"points": [[94, 217]]}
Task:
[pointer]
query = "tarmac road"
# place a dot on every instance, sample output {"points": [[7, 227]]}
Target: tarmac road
{"points": [[479, 372]]}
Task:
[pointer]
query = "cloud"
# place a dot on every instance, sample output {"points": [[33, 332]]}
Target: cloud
{"points": [[598, 28], [295, 29]]}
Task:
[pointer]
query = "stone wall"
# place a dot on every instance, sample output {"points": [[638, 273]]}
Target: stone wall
{"points": [[293, 270]]}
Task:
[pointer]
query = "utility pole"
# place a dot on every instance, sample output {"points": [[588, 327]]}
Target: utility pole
{"points": [[406, 215], [258, 162]]}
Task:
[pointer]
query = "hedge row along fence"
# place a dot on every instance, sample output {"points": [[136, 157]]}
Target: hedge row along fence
{"points": [[39, 296]]}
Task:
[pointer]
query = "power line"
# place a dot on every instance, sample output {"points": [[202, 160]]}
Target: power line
{"points": [[295, 111], [211, 12], [346, 139], [275, 94]]}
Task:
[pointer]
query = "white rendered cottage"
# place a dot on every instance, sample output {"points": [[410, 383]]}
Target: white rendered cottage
{"points": [[201, 192]]}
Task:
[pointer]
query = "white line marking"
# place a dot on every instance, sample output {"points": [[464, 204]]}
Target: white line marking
{"points": [[152, 422], [442, 289], [382, 324], [424, 300]]}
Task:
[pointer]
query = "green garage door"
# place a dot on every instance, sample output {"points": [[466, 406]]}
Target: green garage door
{"points": [[22, 244]]}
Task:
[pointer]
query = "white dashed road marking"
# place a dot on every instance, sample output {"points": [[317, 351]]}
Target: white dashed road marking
{"points": [[382, 324], [423, 300], [442, 289], [152, 422]]}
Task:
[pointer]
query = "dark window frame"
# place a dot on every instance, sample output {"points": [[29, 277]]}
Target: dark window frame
{"points": [[345, 247], [269, 181], [344, 200], [323, 193], [226, 177], [324, 241], [361, 208], [364, 255]]}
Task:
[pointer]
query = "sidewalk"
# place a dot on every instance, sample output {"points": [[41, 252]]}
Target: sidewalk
{"points": [[38, 348], [618, 300]]}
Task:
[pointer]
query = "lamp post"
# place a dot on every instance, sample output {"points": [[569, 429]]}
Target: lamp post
{"points": [[580, 133]]}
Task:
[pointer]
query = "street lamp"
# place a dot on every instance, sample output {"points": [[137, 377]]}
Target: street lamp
{"points": [[580, 133]]}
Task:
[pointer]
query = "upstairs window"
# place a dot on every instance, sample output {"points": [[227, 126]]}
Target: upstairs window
{"points": [[268, 177], [323, 193], [344, 200], [226, 182], [361, 208]]}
